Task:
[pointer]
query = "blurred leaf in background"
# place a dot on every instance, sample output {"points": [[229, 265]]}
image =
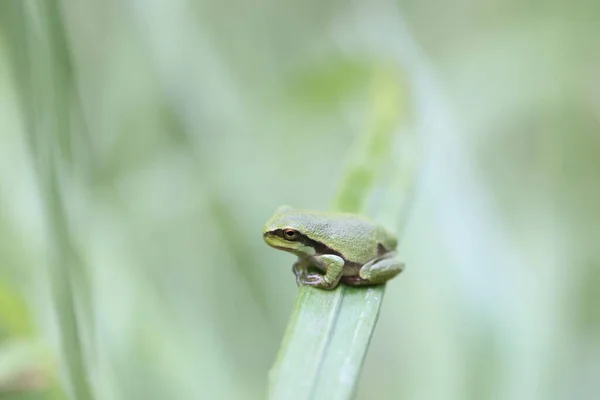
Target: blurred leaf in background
{"points": [[175, 129]]}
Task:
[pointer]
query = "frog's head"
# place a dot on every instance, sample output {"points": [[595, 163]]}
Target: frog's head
{"points": [[288, 230]]}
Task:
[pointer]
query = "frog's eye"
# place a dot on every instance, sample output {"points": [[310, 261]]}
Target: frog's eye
{"points": [[290, 234]]}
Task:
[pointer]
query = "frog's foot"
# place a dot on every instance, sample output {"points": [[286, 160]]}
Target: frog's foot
{"points": [[300, 270], [318, 280], [380, 270], [332, 265]]}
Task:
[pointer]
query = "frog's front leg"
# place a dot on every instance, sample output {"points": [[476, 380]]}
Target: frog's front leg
{"points": [[332, 265], [380, 270], [299, 269]]}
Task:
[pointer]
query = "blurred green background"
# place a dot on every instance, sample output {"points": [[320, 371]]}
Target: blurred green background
{"points": [[144, 143]]}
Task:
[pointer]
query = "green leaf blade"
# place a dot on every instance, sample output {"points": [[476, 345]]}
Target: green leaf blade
{"points": [[329, 332]]}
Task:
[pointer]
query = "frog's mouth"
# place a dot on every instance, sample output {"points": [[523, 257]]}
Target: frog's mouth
{"points": [[279, 243]]}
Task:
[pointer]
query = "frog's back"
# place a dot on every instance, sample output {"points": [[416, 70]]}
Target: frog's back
{"points": [[357, 237]]}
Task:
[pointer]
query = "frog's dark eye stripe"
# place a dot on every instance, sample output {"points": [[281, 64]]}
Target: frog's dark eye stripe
{"points": [[320, 248]]}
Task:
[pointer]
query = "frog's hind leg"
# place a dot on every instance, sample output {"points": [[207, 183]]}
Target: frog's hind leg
{"points": [[381, 270]]}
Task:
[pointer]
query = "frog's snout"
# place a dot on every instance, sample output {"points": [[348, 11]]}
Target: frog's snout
{"points": [[268, 237]]}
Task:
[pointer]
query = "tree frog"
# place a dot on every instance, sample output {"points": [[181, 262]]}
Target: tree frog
{"points": [[350, 248]]}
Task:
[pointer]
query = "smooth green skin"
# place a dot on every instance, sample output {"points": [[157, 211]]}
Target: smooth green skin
{"points": [[350, 248]]}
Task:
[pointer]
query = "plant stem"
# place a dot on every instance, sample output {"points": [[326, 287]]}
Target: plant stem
{"points": [[329, 332]]}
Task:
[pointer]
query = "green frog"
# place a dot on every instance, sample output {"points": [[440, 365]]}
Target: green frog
{"points": [[344, 247]]}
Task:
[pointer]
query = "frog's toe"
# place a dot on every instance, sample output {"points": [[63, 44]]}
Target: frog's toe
{"points": [[312, 279], [319, 281]]}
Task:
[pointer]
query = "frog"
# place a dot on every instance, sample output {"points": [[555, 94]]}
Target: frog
{"points": [[334, 247]]}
